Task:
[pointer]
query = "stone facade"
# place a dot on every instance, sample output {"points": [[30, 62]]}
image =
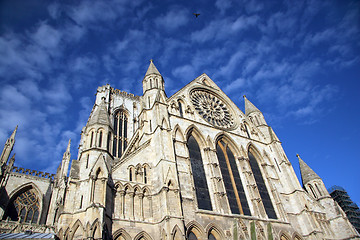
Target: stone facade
{"points": [[189, 166]]}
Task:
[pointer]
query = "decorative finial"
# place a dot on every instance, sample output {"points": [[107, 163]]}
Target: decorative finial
{"points": [[298, 156], [244, 96], [151, 60]]}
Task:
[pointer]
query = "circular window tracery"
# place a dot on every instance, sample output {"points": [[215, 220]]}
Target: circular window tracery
{"points": [[212, 108]]}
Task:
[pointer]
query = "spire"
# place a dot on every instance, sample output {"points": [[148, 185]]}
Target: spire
{"points": [[68, 146], [307, 174], [249, 107], [14, 133], [9, 145], [100, 115], [65, 161], [152, 69]]}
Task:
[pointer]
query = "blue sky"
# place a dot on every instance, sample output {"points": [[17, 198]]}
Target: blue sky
{"points": [[297, 61]]}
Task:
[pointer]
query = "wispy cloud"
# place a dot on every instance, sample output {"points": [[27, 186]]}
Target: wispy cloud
{"points": [[173, 19]]}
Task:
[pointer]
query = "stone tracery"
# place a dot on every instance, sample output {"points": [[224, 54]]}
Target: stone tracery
{"points": [[212, 108]]}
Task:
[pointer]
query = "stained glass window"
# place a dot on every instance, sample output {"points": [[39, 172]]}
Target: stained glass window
{"points": [[197, 168], [261, 187], [120, 136], [25, 207], [232, 181]]}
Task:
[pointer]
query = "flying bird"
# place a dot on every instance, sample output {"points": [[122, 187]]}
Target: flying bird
{"points": [[196, 14]]}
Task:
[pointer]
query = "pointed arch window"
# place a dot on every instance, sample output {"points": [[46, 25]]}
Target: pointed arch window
{"points": [[197, 168], [312, 191], [24, 207], [91, 138], [100, 138], [264, 194], [318, 189], [120, 133], [145, 175], [231, 178], [180, 108]]}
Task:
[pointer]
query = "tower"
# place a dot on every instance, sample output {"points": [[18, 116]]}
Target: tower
{"points": [[311, 181], [89, 185], [56, 206], [336, 217]]}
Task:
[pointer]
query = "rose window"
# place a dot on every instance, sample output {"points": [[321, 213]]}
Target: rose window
{"points": [[212, 109]]}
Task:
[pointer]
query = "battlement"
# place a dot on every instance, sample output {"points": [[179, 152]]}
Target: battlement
{"points": [[123, 93], [33, 172]]}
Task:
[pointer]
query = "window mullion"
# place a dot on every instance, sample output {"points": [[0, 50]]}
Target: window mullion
{"points": [[223, 148]]}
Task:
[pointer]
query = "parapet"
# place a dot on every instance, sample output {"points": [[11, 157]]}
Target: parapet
{"points": [[33, 173]]}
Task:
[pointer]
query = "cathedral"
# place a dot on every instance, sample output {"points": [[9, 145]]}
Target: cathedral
{"points": [[189, 166]]}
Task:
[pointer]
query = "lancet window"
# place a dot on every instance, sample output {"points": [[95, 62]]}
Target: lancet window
{"points": [[231, 178], [24, 207], [197, 167], [100, 138], [265, 197], [120, 133], [180, 109]]}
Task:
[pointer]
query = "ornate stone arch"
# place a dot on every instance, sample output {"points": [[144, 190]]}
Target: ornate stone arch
{"points": [[121, 234], [143, 235], [137, 188], [146, 191], [213, 229], [60, 234], [254, 150], [95, 230], [296, 236], [120, 108], [77, 230], [119, 186], [178, 134], [128, 188], [231, 143], [196, 133], [284, 236], [35, 193], [176, 233], [66, 235], [195, 228]]}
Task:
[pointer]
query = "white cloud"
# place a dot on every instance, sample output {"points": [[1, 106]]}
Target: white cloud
{"points": [[235, 85], [184, 72], [86, 14], [47, 36], [173, 19], [223, 5]]}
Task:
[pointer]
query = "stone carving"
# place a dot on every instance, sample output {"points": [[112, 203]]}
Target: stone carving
{"points": [[212, 108]]}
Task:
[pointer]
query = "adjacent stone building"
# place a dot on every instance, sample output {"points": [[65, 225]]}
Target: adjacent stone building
{"points": [[188, 166]]}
